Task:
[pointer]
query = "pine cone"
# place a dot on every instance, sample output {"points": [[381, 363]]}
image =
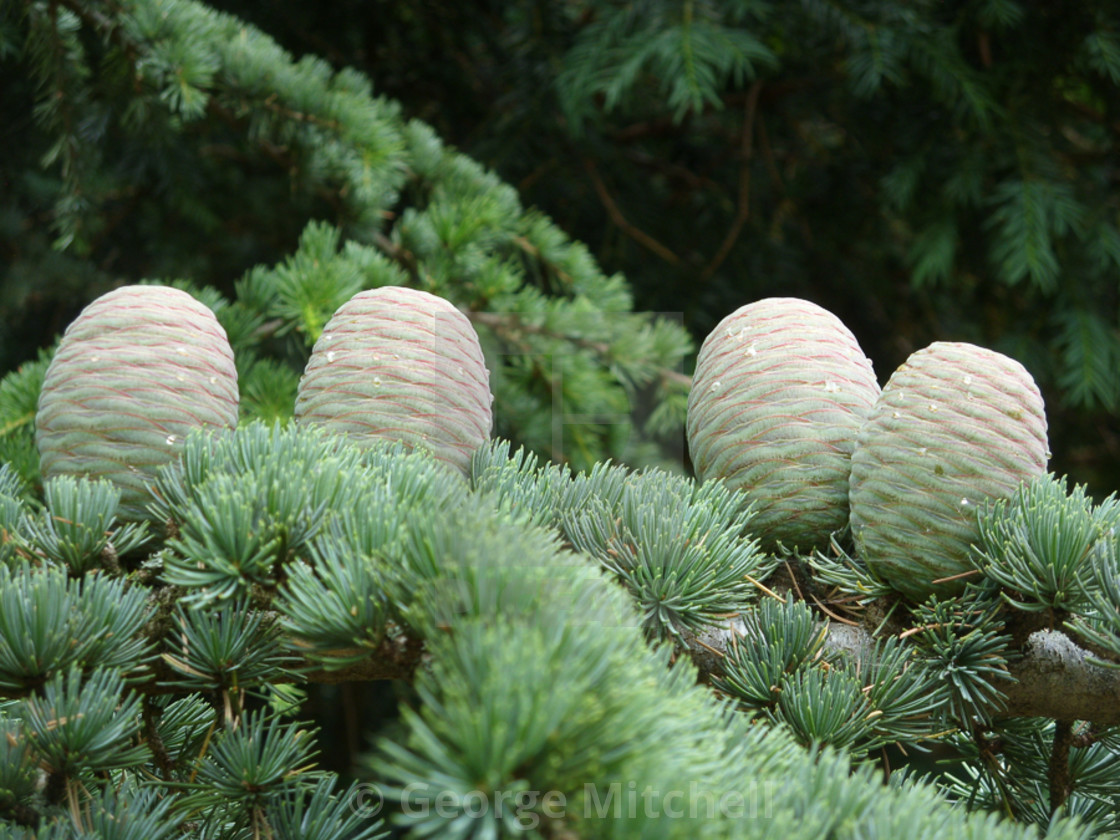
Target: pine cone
{"points": [[137, 370], [780, 391], [400, 364], [955, 426]]}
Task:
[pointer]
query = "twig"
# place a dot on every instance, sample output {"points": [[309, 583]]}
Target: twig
{"points": [[984, 45], [960, 576], [829, 612], [271, 103], [151, 734], [793, 579], [743, 211], [765, 589], [1059, 775], [635, 233], [672, 171], [769, 159]]}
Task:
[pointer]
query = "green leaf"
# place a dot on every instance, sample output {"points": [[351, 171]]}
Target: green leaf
{"points": [[962, 644], [133, 814], [335, 609], [230, 648], [255, 764], [1089, 353], [677, 547], [268, 391], [77, 528], [1028, 215], [777, 638], [933, 253], [693, 57], [84, 724], [906, 697], [1102, 49], [17, 768], [1100, 625], [19, 394], [824, 707], [1000, 14], [319, 813], [313, 282], [1037, 545], [49, 623]]}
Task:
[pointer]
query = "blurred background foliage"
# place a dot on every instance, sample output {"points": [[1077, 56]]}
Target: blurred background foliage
{"points": [[926, 170]]}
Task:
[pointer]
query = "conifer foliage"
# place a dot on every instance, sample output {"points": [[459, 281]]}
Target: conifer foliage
{"points": [[964, 145], [546, 608]]}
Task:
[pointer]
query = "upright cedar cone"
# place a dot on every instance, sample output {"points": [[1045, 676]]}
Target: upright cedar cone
{"points": [[780, 391], [956, 425], [400, 364], [137, 370]]}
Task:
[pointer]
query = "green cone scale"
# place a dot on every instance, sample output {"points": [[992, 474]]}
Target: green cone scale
{"points": [[780, 391], [137, 370], [400, 364], [956, 425]]}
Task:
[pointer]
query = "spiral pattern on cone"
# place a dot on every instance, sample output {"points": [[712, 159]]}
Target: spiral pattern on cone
{"points": [[400, 364], [140, 368], [780, 391], [955, 426]]}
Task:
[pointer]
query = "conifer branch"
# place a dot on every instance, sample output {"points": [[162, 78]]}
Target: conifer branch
{"points": [[1054, 678], [396, 658], [510, 324]]}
